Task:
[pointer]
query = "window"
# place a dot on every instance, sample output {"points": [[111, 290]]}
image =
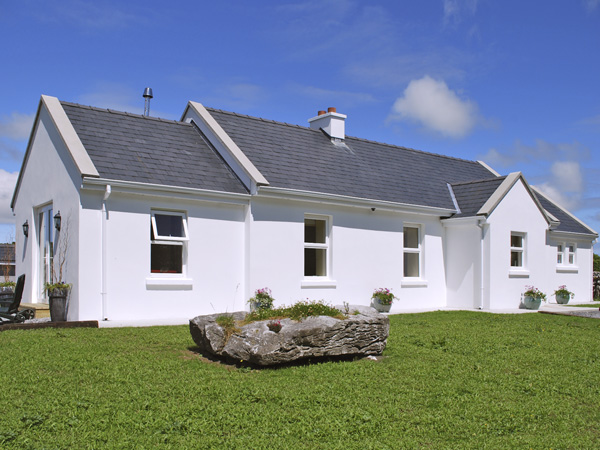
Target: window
{"points": [[565, 254], [168, 234], [412, 251], [316, 246], [517, 249]]}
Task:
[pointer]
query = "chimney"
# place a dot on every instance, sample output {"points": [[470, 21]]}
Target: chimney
{"points": [[330, 122]]}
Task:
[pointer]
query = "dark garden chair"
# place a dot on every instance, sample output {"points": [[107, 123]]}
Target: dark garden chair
{"points": [[10, 303]]}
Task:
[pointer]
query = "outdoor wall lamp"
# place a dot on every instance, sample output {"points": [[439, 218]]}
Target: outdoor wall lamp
{"points": [[57, 221], [26, 228]]}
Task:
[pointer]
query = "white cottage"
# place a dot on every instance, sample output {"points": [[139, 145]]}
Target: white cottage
{"points": [[172, 219]]}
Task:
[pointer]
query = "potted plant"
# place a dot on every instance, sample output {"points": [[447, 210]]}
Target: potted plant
{"points": [[533, 297], [262, 299], [58, 295], [563, 295], [382, 299]]}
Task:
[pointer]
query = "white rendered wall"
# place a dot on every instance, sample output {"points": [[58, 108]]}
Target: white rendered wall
{"points": [[517, 212], [578, 277], [48, 176], [365, 254], [214, 280]]}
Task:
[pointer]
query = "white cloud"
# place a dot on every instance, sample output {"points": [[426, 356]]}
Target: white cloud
{"points": [[432, 104], [8, 181], [591, 5], [539, 153], [455, 10], [17, 126], [566, 186], [91, 15]]}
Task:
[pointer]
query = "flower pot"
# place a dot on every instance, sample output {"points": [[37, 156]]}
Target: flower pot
{"points": [[380, 306], [254, 306], [531, 302], [562, 299], [58, 304]]}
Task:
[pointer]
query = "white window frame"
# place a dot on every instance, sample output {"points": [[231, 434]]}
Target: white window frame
{"points": [[566, 260], [420, 280], [318, 280], [170, 240], [522, 270]]}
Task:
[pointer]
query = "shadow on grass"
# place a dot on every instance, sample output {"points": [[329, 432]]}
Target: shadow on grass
{"points": [[231, 363]]}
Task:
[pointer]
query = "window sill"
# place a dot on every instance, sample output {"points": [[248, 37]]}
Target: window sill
{"points": [[172, 284], [567, 269], [416, 282], [518, 273], [318, 283]]}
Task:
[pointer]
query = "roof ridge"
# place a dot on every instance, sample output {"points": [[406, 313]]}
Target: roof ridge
{"points": [[371, 141], [123, 113], [485, 180]]}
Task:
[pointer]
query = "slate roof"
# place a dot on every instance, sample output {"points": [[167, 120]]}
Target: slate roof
{"points": [[471, 196], [567, 222], [131, 147], [137, 148], [295, 157]]}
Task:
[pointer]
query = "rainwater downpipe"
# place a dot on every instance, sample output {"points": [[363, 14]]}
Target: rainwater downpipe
{"points": [[104, 262], [482, 224]]}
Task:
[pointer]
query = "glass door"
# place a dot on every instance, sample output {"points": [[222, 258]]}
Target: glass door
{"points": [[46, 250]]}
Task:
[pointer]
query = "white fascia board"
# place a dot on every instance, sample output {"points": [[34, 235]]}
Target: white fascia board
{"points": [[223, 143], [343, 200], [80, 156], [569, 235], [499, 194], [26, 156], [459, 221], [159, 190], [564, 210], [489, 168]]}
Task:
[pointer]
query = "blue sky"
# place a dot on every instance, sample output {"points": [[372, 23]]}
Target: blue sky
{"points": [[512, 83]]}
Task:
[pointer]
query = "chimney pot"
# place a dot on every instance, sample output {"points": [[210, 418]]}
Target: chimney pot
{"points": [[331, 109], [320, 113]]}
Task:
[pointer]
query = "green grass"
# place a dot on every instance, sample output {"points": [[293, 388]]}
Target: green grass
{"points": [[448, 380]]}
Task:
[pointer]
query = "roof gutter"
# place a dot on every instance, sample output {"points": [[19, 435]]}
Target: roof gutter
{"points": [[159, 190], [343, 200]]}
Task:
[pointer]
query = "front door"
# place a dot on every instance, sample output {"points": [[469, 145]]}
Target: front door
{"points": [[46, 250]]}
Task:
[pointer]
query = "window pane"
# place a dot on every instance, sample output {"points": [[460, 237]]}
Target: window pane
{"points": [[516, 259], [411, 265], [411, 237], [167, 225], [166, 258], [516, 241], [571, 259], [315, 262], [559, 258], [315, 231], [571, 248]]}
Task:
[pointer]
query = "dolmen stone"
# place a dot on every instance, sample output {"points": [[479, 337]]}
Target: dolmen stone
{"points": [[364, 332]]}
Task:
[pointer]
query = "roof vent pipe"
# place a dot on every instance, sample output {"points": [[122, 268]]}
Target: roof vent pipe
{"points": [[147, 96]]}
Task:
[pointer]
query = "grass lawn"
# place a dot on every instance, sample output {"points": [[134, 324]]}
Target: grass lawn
{"points": [[451, 380]]}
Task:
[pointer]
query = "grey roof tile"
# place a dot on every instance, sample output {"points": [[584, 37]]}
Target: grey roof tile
{"points": [[471, 196], [131, 147], [296, 157]]}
